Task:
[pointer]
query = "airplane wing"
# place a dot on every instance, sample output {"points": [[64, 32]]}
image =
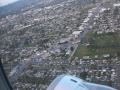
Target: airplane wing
{"points": [[4, 82]]}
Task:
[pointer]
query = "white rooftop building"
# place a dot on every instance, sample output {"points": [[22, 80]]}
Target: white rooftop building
{"points": [[103, 9], [81, 27], [116, 5], [76, 32], [86, 20]]}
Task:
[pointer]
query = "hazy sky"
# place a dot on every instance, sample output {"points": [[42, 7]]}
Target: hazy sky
{"points": [[6, 2]]}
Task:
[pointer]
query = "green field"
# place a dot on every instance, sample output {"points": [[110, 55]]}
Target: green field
{"points": [[98, 45]]}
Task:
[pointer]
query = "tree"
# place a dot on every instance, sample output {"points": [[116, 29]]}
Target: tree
{"points": [[83, 75], [71, 48]]}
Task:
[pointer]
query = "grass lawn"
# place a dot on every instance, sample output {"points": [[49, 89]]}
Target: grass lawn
{"points": [[99, 45]]}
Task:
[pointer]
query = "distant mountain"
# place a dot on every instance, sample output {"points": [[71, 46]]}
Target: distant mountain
{"points": [[15, 7]]}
